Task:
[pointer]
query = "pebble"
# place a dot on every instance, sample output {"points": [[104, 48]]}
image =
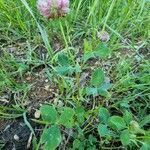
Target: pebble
{"points": [[16, 137], [37, 114]]}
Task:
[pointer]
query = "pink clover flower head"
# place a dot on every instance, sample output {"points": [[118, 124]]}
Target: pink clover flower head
{"points": [[103, 36], [53, 8]]}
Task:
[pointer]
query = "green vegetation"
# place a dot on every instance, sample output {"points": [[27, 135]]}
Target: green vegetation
{"points": [[72, 90]]}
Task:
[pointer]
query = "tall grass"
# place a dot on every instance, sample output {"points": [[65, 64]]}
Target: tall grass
{"points": [[126, 21], [42, 31], [127, 18]]}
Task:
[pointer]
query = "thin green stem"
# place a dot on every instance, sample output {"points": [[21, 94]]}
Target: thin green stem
{"points": [[108, 14], [63, 34]]}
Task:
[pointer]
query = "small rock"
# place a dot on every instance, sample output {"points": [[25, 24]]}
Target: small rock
{"points": [[37, 114], [47, 87], [28, 78], [16, 137], [46, 80]]}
